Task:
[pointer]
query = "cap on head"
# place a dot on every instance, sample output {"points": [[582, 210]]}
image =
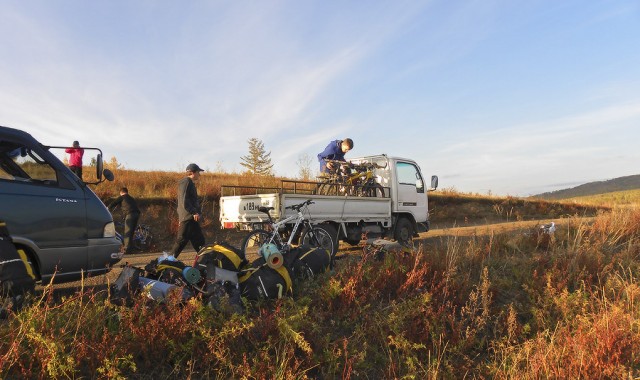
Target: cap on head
{"points": [[194, 168]]}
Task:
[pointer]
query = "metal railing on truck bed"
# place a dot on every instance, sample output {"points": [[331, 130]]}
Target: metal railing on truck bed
{"points": [[286, 187], [306, 187]]}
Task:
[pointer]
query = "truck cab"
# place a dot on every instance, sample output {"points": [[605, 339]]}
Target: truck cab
{"points": [[63, 227]]}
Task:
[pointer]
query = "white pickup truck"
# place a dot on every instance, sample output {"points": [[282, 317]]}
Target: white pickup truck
{"points": [[400, 213]]}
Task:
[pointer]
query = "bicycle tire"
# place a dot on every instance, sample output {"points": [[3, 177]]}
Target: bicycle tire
{"points": [[252, 243], [324, 236]]}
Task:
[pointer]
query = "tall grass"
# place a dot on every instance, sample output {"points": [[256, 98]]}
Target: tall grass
{"points": [[511, 305]]}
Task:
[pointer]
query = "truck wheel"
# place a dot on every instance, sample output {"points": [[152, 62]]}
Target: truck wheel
{"points": [[322, 235], [252, 243], [404, 232]]}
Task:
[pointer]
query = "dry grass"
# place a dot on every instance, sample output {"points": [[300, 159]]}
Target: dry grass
{"points": [[517, 304]]}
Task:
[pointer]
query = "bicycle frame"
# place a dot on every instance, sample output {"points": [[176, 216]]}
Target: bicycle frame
{"points": [[275, 227]]}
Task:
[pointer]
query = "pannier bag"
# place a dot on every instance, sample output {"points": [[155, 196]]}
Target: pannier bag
{"points": [[223, 255], [223, 289], [16, 275], [168, 269], [126, 286], [264, 282], [306, 261]]}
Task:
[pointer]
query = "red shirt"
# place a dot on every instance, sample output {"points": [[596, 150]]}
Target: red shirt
{"points": [[75, 156]]}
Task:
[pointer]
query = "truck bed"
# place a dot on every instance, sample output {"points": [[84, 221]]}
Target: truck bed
{"points": [[238, 210]]}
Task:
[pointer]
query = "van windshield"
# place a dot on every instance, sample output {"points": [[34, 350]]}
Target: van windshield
{"points": [[20, 163]]}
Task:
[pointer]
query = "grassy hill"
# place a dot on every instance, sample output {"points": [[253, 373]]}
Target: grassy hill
{"points": [[631, 182], [156, 196]]}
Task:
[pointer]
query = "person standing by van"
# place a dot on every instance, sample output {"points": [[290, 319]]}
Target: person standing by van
{"points": [[132, 215], [75, 158], [189, 212], [334, 151]]}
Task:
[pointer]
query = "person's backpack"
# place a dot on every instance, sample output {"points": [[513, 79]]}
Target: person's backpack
{"points": [[264, 282], [306, 261], [16, 275]]}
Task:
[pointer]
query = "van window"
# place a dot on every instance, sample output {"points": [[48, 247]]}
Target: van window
{"points": [[408, 174], [20, 163]]}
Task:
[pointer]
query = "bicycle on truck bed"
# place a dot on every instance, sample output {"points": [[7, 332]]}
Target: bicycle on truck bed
{"points": [[297, 227], [347, 178]]}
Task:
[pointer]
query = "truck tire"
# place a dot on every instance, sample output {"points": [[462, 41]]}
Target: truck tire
{"points": [[403, 232], [252, 243], [322, 235]]}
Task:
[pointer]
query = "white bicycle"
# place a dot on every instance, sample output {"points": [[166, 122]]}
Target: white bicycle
{"points": [[302, 231]]}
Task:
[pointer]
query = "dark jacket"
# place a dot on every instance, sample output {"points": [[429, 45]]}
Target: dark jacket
{"points": [[188, 204], [333, 151], [128, 204]]}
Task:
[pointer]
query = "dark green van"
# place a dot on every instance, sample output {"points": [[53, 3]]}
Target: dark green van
{"points": [[65, 229]]}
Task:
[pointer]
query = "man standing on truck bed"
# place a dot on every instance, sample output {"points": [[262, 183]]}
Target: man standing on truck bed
{"points": [[75, 158], [188, 212], [132, 215], [334, 151]]}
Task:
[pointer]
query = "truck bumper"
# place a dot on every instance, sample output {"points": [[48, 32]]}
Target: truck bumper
{"points": [[422, 227]]}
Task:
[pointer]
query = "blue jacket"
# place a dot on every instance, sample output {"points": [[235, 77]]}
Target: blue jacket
{"points": [[333, 151]]}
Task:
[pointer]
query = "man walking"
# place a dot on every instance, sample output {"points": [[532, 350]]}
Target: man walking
{"points": [[132, 215], [189, 212]]}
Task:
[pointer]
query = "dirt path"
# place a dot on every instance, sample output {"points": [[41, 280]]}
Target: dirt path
{"points": [[100, 283]]}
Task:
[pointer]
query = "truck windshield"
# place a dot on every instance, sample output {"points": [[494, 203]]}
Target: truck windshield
{"points": [[20, 163]]}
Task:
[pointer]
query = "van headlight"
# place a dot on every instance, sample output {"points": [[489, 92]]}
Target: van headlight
{"points": [[109, 230]]}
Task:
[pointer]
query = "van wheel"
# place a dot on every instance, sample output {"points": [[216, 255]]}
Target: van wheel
{"points": [[404, 232]]}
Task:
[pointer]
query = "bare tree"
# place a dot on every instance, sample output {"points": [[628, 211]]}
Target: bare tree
{"points": [[258, 161], [304, 166]]}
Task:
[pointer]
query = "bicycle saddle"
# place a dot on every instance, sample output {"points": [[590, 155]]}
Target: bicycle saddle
{"points": [[265, 209]]}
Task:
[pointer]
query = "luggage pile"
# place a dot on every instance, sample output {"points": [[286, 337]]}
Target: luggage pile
{"points": [[221, 275], [16, 276]]}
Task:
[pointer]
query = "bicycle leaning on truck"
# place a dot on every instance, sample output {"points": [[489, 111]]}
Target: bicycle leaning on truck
{"points": [[295, 228]]}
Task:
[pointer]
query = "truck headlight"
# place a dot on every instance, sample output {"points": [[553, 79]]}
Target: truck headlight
{"points": [[109, 230]]}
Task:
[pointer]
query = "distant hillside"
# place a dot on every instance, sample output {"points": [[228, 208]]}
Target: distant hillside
{"points": [[631, 182]]}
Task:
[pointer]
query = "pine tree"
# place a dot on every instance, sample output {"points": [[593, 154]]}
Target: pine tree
{"points": [[258, 161]]}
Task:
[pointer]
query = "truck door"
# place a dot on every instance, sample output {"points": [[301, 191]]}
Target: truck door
{"points": [[43, 208], [411, 190]]}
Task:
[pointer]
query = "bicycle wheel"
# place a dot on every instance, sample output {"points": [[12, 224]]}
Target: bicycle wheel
{"points": [[327, 189], [142, 238], [252, 243], [323, 235]]}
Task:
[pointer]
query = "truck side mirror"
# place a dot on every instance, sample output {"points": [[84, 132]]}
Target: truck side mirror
{"points": [[434, 182]]}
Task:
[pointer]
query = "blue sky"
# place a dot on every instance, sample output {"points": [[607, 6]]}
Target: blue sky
{"points": [[507, 97]]}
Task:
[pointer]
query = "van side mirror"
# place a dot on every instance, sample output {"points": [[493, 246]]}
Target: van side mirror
{"points": [[100, 170], [434, 182], [108, 175]]}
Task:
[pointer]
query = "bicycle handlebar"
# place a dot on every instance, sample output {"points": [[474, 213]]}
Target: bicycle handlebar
{"points": [[300, 205]]}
